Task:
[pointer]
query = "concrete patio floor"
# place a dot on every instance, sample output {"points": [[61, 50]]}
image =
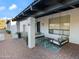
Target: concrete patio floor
{"points": [[17, 49]]}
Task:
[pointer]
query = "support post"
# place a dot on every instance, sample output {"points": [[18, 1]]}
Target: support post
{"points": [[31, 32]]}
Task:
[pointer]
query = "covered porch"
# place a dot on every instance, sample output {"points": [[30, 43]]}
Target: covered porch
{"points": [[54, 23], [34, 32]]}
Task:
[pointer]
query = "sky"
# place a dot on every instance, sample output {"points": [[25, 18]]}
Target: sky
{"points": [[11, 8]]}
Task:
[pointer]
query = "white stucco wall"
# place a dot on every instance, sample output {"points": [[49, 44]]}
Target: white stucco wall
{"points": [[74, 24], [30, 29], [13, 29], [25, 22], [8, 26], [31, 32]]}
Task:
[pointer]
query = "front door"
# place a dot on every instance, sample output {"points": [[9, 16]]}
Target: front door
{"points": [[38, 26]]}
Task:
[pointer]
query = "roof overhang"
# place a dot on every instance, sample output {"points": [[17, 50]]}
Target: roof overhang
{"points": [[40, 8]]}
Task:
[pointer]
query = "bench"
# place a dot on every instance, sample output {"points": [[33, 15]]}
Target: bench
{"points": [[60, 41]]}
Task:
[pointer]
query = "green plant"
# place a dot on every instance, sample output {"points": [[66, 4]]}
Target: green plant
{"points": [[8, 31]]}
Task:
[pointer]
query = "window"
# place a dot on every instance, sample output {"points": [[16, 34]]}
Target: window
{"points": [[60, 25]]}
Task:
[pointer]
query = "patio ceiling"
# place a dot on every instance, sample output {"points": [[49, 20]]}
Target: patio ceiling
{"points": [[40, 8]]}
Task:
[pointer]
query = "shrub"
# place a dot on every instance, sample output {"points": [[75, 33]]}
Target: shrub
{"points": [[8, 31]]}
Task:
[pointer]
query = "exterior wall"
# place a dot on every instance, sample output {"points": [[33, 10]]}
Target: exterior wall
{"points": [[13, 29], [8, 26], [2, 24], [74, 24], [29, 25], [18, 26], [43, 25], [25, 22]]}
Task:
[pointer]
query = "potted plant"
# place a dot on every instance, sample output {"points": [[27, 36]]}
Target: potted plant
{"points": [[19, 34]]}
